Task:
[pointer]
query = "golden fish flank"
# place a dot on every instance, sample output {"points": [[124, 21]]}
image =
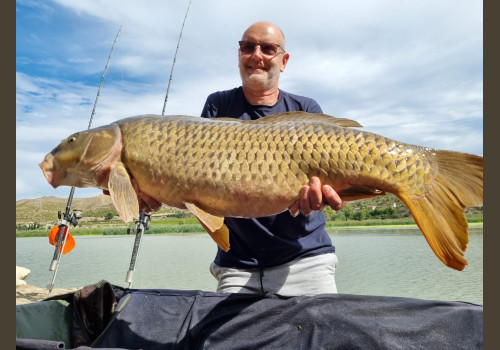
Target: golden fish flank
{"points": [[230, 167]]}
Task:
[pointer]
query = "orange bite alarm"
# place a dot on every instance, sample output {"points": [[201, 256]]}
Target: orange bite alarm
{"points": [[54, 236]]}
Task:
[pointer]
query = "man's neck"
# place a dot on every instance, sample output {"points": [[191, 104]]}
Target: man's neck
{"points": [[261, 98]]}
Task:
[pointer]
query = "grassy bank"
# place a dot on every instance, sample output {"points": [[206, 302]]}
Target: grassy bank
{"points": [[191, 225], [471, 219]]}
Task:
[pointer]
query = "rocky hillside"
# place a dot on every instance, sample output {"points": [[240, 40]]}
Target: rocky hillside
{"points": [[44, 210]]}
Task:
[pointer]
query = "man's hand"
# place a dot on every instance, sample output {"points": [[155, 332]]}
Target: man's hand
{"points": [[314, 196]]}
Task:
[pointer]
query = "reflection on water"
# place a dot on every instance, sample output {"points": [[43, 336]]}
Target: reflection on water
{"points": [[372, 261]]}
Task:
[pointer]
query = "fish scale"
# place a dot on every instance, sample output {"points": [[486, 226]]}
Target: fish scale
{"points": [[230, 167], [231, 150]]}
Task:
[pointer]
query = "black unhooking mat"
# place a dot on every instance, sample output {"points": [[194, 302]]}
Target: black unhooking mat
{"points": [[173, 319]]}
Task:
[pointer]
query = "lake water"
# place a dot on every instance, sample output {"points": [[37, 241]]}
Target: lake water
{"points": [[372, 261]]}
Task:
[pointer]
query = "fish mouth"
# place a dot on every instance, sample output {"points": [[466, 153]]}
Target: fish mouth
{"points": [[47, 167]]}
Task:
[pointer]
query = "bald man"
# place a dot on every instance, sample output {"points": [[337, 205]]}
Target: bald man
{"points": [[289, 253]]}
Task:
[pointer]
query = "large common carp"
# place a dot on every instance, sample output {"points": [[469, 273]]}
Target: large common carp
{"points": [[229, 167]]}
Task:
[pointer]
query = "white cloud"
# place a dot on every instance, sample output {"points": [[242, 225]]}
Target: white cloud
{"points": [[408, 70]]}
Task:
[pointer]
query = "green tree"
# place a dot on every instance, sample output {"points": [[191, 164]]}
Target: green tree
{"points": [[359, 215], [340, 215], [390, 212], [347, 210]]}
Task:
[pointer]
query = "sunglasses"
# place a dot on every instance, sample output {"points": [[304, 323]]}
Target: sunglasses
{"points": [[267, 49]]}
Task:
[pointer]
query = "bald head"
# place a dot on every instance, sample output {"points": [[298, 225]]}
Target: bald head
{"points": [[264, 31]]}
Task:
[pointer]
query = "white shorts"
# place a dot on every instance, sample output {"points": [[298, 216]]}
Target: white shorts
{"points": [[305, 276]]}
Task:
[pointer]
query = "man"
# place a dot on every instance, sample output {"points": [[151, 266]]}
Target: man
{"points": [[289, 253]]}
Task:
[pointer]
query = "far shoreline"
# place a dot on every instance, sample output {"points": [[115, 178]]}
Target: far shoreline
{"points": [[329, 228]]}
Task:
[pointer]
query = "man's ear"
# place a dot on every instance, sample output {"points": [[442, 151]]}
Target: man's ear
{"points": [[286, 56]]}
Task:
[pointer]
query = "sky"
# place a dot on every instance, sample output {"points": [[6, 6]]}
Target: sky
{"points": [[409, 70]]}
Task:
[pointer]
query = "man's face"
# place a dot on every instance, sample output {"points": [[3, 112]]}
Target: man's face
{"points": [[258, 70]]}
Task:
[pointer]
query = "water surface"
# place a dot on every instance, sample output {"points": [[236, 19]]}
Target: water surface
{"points": [[372, 261]]}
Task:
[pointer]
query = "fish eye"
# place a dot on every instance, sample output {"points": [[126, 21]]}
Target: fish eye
{"points": [[71, 139]]}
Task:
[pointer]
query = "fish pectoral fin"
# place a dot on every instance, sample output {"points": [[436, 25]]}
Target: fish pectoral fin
{"points": [[358, 192], [122, 193], [220, 236], [213, 224]]}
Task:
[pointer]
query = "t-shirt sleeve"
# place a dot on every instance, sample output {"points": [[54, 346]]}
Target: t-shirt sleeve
{"points": [[292, 102], [313, 107], [210, 108]]}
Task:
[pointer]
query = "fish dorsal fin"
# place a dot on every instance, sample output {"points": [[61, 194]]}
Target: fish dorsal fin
{"points": [[228, 120], [122, 193], [304, 116], [213, 224]]}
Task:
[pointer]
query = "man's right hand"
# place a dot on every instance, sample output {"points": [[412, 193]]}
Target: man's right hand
{"points": [[314, 197]]}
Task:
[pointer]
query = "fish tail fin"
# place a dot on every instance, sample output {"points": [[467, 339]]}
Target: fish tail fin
{"points": [[439, 213]]}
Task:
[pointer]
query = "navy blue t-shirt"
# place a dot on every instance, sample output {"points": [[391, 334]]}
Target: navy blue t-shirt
{"points": [[277, 239]]}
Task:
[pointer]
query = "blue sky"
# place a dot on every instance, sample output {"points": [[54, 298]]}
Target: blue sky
{"points": [[411, 71]]}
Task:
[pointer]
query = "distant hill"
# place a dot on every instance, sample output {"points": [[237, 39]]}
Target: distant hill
{"points": [[44, 210]]}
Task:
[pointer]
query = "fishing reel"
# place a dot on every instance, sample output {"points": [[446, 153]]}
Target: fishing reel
{"points": [[143, 221], [73, 219]]}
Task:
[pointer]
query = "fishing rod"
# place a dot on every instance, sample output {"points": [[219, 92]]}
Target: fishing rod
{"points": [[175, 58], [143, 222], [67, 219]]}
